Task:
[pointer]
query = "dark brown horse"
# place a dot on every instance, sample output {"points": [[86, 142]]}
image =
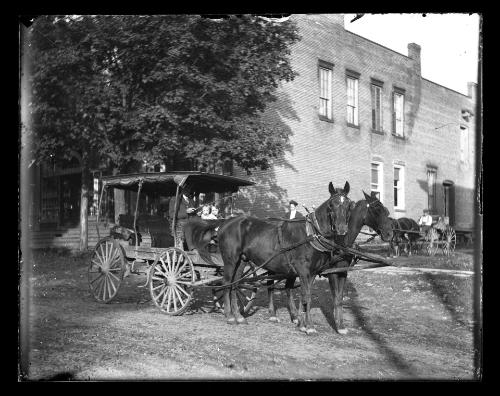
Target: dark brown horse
{"points": [[369, 211], [247, 238], [405, 232]]}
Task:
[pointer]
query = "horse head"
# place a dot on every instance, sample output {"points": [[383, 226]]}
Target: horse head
{"points": [[377, 217], [338, 208]]}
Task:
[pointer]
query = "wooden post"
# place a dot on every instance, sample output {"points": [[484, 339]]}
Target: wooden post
{"points": [[135, 214], [83, 245], [98, 211], [176, 209]]}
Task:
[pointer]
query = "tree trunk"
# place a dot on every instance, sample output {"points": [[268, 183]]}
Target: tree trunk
{"points": [[84, 202]]}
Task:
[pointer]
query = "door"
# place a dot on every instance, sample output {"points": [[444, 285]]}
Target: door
{"points": [[449, 200]]}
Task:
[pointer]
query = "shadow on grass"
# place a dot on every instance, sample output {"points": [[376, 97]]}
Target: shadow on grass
{"points": [[362, 320], [441, 288]]}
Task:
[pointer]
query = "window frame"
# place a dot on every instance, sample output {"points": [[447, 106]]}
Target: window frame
{"points": [[400, 189], [380, 186], [398, 92], [431, 202], [354, 107], [464, 151], [327, 66], [377, 86]]}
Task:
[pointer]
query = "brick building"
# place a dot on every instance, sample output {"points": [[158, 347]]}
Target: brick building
{"points": [[357, 111], [361, 112]]}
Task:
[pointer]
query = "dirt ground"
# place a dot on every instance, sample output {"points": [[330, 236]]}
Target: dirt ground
{"points": [[402, 326]]}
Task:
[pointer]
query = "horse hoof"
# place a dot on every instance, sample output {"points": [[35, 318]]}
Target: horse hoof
{"points": [[274, 319], [311, 331], [303, 329], [231, 321], [295, 321], [242, 321], [342, 331]]}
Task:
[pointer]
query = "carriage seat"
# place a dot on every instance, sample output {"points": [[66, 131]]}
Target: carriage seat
{"points": [[125, 229], [159, 229]]}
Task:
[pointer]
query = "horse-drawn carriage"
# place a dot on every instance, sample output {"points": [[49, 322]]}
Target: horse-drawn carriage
{"points": [[174, 272], [439, 235]]}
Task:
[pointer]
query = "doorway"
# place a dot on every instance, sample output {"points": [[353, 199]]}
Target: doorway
{"points": [[449, 200], [70, 199]]}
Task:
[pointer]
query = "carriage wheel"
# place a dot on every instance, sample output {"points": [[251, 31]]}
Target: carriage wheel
{"points": [[106, 270], [171, 279], [245, 293], [431, 239], [449, 241]]}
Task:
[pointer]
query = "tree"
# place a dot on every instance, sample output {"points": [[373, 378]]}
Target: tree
{"points": [[116, 90]]}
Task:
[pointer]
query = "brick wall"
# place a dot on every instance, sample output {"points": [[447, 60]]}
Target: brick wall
{"points": [[324, 151]]}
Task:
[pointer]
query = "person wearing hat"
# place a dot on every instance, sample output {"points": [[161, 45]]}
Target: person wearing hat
{"points": [[185, 210], [425, 221], [294, 213]]}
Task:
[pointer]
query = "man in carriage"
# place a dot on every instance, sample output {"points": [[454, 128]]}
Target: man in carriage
{"points": [[425, 221]]}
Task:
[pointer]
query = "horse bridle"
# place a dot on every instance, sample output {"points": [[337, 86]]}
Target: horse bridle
{"points": [[331, 214], [373, 205]]}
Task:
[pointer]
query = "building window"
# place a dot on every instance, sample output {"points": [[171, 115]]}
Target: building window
{"points": [[352, 100], [377, 177], [325, 90], [376, 107], [398, 113], [464, 144], [399, 187], [431, 190]]}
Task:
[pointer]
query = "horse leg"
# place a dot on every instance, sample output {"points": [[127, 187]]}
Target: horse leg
{"points": [[292, 308], [229, 269], [234, 299], [305, 304], [230, 319], [337, 282], [270, 294]]}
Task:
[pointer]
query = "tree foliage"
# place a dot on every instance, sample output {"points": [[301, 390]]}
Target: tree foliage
{"points": [[118, 89]]}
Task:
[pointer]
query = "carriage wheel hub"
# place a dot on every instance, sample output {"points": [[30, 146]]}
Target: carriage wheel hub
{"points": [[170, 280]]}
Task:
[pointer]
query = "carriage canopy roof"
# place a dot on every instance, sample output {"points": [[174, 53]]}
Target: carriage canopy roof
{"points": [[166, 183]]}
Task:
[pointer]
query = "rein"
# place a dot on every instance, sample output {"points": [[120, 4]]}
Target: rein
{"points": [[318, 236]]}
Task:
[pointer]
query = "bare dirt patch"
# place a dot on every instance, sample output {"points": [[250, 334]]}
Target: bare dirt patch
{"points": [[401, 326]]}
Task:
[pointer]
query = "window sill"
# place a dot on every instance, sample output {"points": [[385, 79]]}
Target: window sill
{"points": [[377, 132], [399, 136], [353, 126], [323, 118], [399, 210]]}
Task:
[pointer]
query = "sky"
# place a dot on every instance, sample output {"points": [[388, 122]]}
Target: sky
{"points": [[449, 42]]}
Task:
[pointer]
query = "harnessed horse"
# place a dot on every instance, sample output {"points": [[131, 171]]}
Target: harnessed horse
{"points": [[247, 238], [370, 212]]}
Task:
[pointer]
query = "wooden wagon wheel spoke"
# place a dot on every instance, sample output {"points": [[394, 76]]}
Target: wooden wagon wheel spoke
{"points": [[114, 276], [182, 290], [164, 267], [450, 240], [245, 294], [157, 287], [175, 272], [108, 258], [97, 278], [96, 263], [168, 268], [110, 285], [162, 293], [179, 296]]}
